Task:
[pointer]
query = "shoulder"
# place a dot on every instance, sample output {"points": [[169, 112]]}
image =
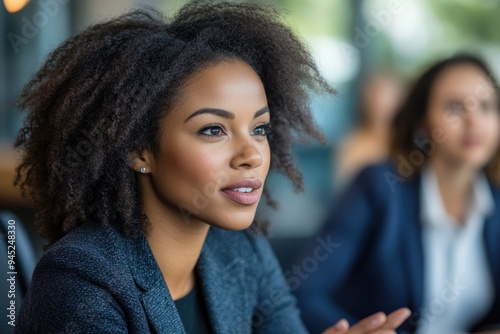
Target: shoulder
{"points": [[87, 256], [375, 174], [375, 181], [83, 272], [84, 247], [495, 191], [373, 197], [385, 180]]}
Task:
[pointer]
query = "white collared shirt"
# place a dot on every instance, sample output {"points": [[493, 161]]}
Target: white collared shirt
{"points": [[458, 287]]}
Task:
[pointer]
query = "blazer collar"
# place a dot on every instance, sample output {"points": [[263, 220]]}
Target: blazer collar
{"points": [[153, 292], [409, 208], [491, 236], [222, 272], [222, 276]]}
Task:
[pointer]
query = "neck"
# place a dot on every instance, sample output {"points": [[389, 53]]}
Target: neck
{"points": [[455, 184], [176, 245], [377, 128]]}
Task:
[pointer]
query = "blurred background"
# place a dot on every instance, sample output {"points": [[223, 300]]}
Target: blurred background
{"points": [[369, 50]]}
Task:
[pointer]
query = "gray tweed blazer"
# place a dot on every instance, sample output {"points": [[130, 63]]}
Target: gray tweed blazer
{"points": [[95, 280]]}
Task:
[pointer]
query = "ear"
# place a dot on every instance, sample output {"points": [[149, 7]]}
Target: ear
{"points": [[142, 161]]}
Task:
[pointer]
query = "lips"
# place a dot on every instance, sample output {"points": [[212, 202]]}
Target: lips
{"points": [[243, 191], [472, 141]]}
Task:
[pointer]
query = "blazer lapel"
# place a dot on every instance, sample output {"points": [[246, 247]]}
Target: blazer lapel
{"points": [[161, 310], [491, 237], [154, 295], [222, 276], [409, 209]]}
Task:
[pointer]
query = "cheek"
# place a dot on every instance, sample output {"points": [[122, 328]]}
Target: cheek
{"points": [[191, 165], [267, 158], [492, 125], [450, 126], [448, 123], [491, 131]]}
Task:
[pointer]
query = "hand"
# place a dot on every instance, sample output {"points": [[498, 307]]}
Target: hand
{"points": [[377, 323]]}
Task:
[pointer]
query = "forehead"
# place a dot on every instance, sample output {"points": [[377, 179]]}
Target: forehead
{"points": [[463, 79], [231, 85]]}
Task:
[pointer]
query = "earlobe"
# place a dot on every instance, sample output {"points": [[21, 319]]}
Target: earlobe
{"points": [[141, 161]]}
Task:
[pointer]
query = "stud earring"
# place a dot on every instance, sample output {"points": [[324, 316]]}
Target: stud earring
{"points": [[143, 170]]}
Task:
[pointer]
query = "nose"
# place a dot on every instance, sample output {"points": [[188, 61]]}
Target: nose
{"points": [[247, 155], [473, 113]]}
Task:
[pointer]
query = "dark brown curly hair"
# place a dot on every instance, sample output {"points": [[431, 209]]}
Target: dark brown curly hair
{"points": [[101, 95]]}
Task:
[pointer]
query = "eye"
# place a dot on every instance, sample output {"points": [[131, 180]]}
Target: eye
{"points": [[262, 130], [455, 106], [489, 106], [212, 131]]}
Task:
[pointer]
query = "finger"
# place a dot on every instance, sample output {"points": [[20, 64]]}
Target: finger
{"points": [[382, 331], [396, 318], [370, 323], [341, 327]]}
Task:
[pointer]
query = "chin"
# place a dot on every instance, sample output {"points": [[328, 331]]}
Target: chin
{"points": [[477, 161], [226, 218], [236, 222], [235, 225]]}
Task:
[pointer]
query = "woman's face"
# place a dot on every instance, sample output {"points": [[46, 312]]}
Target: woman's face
{"points": [[463, 113], [214, 155], [381, 98]]}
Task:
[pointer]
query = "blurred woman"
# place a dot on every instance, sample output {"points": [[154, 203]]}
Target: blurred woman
{"points": [[422, 230], [369, 142]]}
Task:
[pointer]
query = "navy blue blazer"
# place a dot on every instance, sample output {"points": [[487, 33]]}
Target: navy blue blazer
{"points": [[94, 280], [379, 263]]}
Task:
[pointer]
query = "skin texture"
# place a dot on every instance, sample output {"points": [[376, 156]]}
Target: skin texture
{"points": [[464, 109], [198, 156]]}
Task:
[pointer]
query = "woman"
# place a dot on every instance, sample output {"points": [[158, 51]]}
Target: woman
{"points": [[146, 148], [422, 230], [369, 141]]}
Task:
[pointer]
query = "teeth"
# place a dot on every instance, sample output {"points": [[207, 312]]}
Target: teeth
{"points": [[243, 190]]}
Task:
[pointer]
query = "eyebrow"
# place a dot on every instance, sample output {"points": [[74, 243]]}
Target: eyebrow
{"points": [[223, 113], [261, 112]]}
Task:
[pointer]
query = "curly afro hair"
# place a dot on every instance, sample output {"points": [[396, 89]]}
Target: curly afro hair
{"points": [[101, 94]]}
